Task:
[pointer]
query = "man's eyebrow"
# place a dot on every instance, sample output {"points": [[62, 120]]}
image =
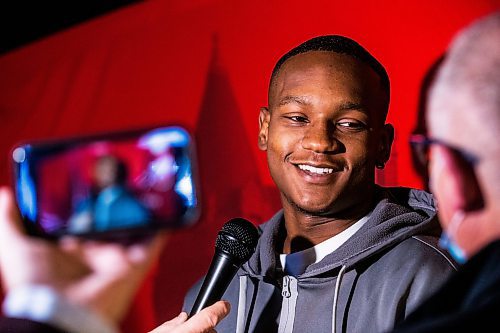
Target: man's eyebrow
{"points": [[302, 100], [352, 106], [305, 100]]}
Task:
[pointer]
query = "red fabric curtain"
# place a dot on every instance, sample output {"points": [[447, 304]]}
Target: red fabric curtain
{"points": [[206, 64]]}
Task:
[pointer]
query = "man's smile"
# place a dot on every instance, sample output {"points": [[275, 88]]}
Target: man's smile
{"points": [[317, 173], [315, 170]]}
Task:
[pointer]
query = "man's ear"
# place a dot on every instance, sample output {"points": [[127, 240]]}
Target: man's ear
{"points": [[385, 145], [264, 118], [459, 182]]}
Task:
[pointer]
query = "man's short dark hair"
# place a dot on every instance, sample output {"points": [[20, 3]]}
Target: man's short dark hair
{"points": [[338, 44]]}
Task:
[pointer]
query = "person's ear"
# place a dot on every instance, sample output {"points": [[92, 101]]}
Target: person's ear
{"points": [[264, 118], [458, 181], [385, 145]]}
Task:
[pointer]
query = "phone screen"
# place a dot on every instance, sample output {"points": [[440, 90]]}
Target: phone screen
{"points": [[114, 185]]}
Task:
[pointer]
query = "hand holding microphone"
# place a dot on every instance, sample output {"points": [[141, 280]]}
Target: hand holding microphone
{"points": [[235, 244], [204, 321]]}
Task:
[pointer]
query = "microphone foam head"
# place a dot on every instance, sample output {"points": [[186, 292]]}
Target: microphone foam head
{"points": [[238, 238]]}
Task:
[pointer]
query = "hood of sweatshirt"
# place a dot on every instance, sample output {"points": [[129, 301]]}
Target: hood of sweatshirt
{"points": [[398, 214]]}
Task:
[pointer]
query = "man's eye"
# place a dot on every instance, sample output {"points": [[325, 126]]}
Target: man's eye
{"points": [[297, 119], [349, 124]]}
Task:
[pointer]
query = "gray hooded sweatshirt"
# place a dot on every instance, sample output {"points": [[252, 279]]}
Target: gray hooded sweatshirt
{"points": [[370, 283]]}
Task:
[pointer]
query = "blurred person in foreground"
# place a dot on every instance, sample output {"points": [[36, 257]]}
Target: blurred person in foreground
{"points": [[463, 151], [75, 285]]}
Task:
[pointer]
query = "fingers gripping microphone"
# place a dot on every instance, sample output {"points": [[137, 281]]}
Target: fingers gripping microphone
{"points": [[235, 244]]}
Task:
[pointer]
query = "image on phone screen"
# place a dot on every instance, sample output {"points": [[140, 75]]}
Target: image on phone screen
{"points": [[117, 184]]}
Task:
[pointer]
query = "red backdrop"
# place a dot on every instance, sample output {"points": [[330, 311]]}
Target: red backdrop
{"points": [[206, 64]]}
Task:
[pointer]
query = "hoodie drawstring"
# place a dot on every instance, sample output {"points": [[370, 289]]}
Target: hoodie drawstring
{"points": [[336, 297], [242, 301]]}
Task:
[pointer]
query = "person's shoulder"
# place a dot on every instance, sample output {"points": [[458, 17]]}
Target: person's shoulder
{"points": [[416, 263], [485, 262], [424, 250]]}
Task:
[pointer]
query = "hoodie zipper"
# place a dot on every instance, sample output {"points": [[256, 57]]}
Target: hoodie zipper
{"points": [[289, 293]]}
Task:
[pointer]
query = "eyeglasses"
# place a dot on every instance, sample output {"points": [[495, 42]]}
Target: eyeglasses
{"points": [[420, 146]]}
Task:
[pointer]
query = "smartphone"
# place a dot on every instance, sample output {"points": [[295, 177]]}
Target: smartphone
{"points": [[118, 185]]}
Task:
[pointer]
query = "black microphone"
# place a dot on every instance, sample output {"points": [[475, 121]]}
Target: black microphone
{"points": [[235, 244]]}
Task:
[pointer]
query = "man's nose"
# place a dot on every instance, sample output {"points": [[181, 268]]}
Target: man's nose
{"points": [[320, 138]]}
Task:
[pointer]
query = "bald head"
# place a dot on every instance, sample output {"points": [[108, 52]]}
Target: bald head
{"points": [[464, 104], [464, 101]]}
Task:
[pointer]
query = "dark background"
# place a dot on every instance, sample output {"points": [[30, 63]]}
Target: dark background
{"points": [[23, 21]]}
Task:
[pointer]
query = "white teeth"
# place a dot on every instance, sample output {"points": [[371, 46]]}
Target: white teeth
{"points": [[319, 171]]}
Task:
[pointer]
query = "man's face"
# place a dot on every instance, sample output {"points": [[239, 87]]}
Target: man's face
{"points": [[106, 172], [324, 132], [452, 167], [452, 177]]}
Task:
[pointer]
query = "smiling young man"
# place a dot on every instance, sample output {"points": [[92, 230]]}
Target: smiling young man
{"points": [[343, 254]]}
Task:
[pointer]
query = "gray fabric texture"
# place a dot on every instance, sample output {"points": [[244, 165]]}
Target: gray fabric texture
{"points": [[391, 265]]}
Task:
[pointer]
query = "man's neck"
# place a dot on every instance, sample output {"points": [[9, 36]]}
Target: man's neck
{"points": [[306, 230]]}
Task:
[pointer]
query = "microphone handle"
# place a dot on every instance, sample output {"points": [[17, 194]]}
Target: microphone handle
{"points": [[219, 275]]}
